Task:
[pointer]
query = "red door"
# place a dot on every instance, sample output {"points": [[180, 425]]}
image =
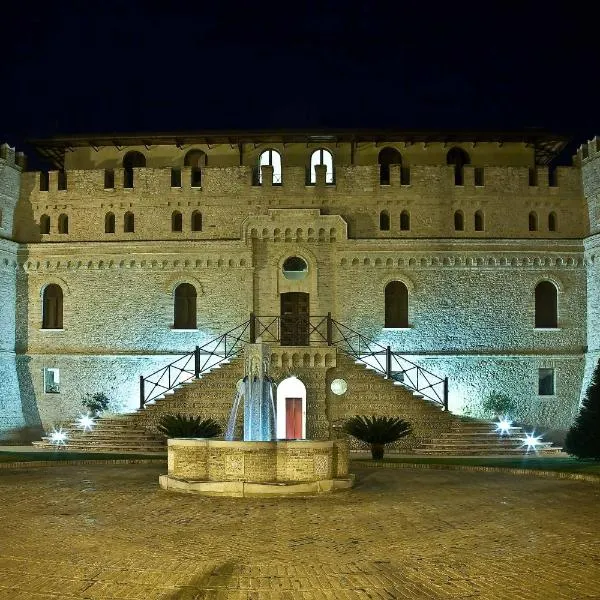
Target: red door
{"points": [[293, 418]]}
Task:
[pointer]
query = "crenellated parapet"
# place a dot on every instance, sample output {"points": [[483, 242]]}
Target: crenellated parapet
{"points": [[12, 163]]}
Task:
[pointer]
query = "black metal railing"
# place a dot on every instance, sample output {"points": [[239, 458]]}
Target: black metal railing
{"points": [[295, 330]]}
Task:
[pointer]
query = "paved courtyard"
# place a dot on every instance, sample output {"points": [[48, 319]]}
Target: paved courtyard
{"points": [[108, 531]]}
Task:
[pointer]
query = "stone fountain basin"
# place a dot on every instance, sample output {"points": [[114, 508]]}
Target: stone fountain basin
{"points": [[282, 467]]}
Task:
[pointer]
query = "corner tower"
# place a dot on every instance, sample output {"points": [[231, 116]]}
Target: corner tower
{"points": [[12, 422], [589, 156]]}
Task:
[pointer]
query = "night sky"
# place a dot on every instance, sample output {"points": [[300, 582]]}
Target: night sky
{"points": [[124, 67]]}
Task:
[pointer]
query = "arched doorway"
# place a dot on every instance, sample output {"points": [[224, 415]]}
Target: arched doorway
{"points": [[291, 409]]}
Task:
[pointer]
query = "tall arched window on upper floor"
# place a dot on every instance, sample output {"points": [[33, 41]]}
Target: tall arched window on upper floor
{"points": [[458, 158], [44, 224], [546, 305], [131, 160], [270, 158], [196, 159], [109, 222], [459, 221], [321, 157], [196, 221], [552, 226], [388, 156], [478, 221], [396, 304], [185, 307], [129, 222], [404, 221], [52, 307], [533, 221], [63, 224], [384, 220], [176, 221]]}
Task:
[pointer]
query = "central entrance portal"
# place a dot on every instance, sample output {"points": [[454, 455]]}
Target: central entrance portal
{"points": [[294, 319]]}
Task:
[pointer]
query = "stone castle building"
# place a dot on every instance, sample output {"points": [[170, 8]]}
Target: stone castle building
{"points": [[466, 253]]}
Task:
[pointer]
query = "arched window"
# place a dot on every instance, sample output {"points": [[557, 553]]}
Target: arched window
{"points": [[109, 223], [44, 224], [459, 158], [272, 158], [552, 221], [396, 304], [388, 156], [63, 224], [131, 160], [533, 221], [129, 222], [176, 221], [546, 305], [52, 307], [459, 221], [321, 157], [196, 221], [479, 221], [404, 221], [195, 159], [185, 307], [384, 220]]}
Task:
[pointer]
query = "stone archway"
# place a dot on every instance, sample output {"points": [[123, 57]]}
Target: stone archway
{"points": [[291, 409]]}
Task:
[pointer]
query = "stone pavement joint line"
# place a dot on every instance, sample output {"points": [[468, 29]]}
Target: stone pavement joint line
{"points": [[101, 532]]}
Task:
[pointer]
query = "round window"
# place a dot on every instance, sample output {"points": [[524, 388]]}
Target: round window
{"points": [[339, 386], [295, 267]]}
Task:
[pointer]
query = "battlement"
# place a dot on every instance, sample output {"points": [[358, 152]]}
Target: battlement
{"points": [[589, 151], [11, 157]]}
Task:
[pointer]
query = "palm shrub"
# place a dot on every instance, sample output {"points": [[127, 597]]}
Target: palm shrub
{"points": [[95, 403], [183, 426], [583, 438], [377, 431]]}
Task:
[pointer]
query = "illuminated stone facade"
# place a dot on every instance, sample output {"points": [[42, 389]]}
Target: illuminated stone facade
{"points": [[471, 292]]}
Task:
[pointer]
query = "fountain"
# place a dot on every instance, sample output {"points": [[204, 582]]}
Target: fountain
{"points": [[260, 464]]}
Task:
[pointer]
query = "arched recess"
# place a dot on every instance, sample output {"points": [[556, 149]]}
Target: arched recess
{"points": [[459, 221], [176, 221], [384, 220], [404, 221], [533, 221], [45, 224], [63, 223], [271, 158], [52, 307], [458, 158], [184, 306], [388, 156], [129, 222], [546, 305], [109, 222], [552, 225], [196, 159], [291, 409], [131, 160], [196, 221], [479, 221], [396, 305]]}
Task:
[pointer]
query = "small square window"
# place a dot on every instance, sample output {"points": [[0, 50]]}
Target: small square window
{"points": [[546, 382], [51, 380]]}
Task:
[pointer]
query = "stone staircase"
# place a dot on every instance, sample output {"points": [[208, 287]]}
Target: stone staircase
{"points": [[472, 437]]}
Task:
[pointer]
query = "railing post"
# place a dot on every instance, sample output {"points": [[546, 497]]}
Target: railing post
{"points": [[445, 393], [329, 330], [388, 362], [197, 362], [252, 328], [142, 394]]}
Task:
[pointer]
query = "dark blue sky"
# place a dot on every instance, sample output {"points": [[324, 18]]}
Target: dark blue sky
{"points": [[123, 66]]}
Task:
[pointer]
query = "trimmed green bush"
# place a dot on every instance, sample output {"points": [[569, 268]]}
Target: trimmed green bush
{"points": [[583, 439], [95, 403], [498, 405], [377, 431], [183, 426]]}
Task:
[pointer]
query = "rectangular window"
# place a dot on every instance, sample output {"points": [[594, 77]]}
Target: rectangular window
{"points": [[478, 175], [62, 180], [533, 177], [404, 175], [552, 179], [175, 178], [44, 181], [51, 380], [109, 179], [546, 382]]}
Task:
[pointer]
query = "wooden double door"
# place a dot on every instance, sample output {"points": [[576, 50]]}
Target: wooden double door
{"points": [[293, 418], [294, 319]]}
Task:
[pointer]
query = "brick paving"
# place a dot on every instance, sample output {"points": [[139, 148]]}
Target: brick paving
{"points": [[108, 531]]}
